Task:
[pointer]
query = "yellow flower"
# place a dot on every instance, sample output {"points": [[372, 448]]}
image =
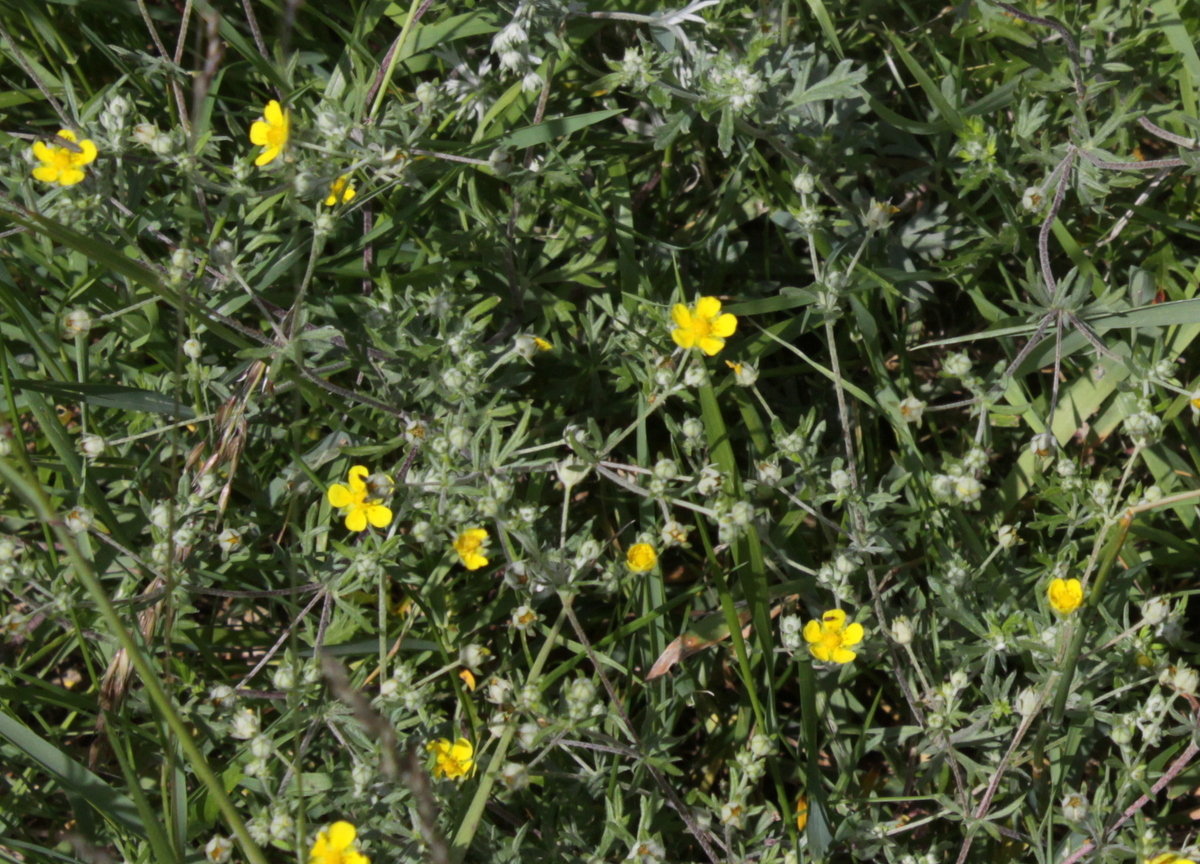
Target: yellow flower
{"points": [[702, 326], [830, 638], [453, 760], [1065, 595], [801, 812], [468, 679], [62, 165], [341, 190], [467, 546], [544, 345], [360, 509], [1168, 858], [335, 846], [641, 557], [271, 132]]}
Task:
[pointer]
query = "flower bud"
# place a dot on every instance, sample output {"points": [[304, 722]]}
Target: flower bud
{"points": [[77, 323], [514, 776], [1028, 702], [902, 630], [1156, 609], [244, 725], [840, 480], [523, 617], [803, 183], [78, 519], [967, 489], [1007, 537], [693, 428], [1074, 808], [92, 446], [218, 850]]}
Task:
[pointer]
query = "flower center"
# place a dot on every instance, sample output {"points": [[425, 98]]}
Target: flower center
{"points": [[61, 158], [701, 327]]}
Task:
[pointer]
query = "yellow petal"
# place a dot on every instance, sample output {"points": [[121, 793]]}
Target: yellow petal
{"points": [[820, 651], [331, 200], [70, 177], [812, 631], [468, 678], [473, 561], [379, 516], [68, 134], [273, 114], [358, 477], [46, 173], [42, 153], [843, 655], [87, 156], [352, 857], [852, 635], [711, 345], [348, 195], [340, 496], [683, 338], [725, 325], [681, 316], [356, 520], [258, 133], [834, 619], [462, 750], [341, 834], [477, 534], [708, 308], [267, 156]]}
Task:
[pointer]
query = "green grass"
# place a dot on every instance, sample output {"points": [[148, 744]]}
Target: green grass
{"points": [[959, 246]]}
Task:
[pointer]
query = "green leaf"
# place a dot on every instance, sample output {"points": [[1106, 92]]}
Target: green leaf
{"points": [[111, 396], [548, 130], [73, 777]]}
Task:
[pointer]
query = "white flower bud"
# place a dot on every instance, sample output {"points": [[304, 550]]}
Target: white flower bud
{"points": [[527, 734], [693, 428], [673, 534], [230, 540], [284, 677], [259, 829], [840, 480], [532, 82], [1156, 609], [222, 696], [967, 489], [1186, 680], [1074, 808], [769, 473], [709, 481], [78, 519], [422, 532], [741, 514], [244, 724], [941, 486], [261, 746], [1122, 732], [1007, 537], [1043, 445], [453, 378], [580, 695], [219, 849], [9, 550], [902, 630], [514, 776], [959, 680], [283, 828], [1028, 702], [733, 814], [572, 472], [666, 469], [745, 375], [957, 365], [192, 348], [695, 376], [145, 133], [77, 323], [803, 183], [92, 446], [523, 617], [473, 656]]}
